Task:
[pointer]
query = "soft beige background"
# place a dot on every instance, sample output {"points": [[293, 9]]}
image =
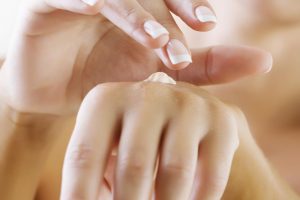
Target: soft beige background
{"points": [[8, 13]]}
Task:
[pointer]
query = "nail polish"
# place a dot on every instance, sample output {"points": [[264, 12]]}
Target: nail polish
{"points": [[155, 29], [205, 14], [178, 53], [90, 2]]}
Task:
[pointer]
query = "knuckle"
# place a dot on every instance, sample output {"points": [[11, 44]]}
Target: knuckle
{"points": [[192, 101], [148, 91], [237, 112], [104, 92], [180, 170], [135, 166], [130, 14], [136, 18], [80, 156], [225, 119], [223, 115]]}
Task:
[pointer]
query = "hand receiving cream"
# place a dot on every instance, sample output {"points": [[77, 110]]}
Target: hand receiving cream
{"points": [[161, 78]]}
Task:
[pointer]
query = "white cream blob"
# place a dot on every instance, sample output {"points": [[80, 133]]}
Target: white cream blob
{"points": [[160, 77]]}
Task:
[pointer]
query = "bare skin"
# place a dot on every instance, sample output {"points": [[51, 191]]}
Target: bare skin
{"points": [[273, 115], [256, 122], [271, 103]]}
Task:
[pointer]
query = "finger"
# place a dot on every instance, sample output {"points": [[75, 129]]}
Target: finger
{"points": [[89, 147], [198, 14], [138, 23], [137, 154], [222, 64], [105, 192], [177, 166], [175, 54], [128, 15], [216, 155]]}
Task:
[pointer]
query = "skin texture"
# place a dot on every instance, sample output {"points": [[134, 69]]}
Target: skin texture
{"points": [[232, 90], [57, 91], [280, 143], [271, 102], [58, 39], [134, 99], [176, 131]]}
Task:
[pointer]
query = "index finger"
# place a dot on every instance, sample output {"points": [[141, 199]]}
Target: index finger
{"points": [[223, 64]]}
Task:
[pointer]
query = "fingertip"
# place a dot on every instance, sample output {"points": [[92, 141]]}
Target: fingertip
{"points": [[179, 66], [93, 3], [199, 16], [92, 7], [155, 29], [205, 19], [262, 59], [157, 35], [267, 62], [178, 54], [205, 14], [175, 56], [229, 63], [203, 27]]}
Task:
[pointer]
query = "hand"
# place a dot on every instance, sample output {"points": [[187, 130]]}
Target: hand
{"points": [[57, 56], [182, 129]]}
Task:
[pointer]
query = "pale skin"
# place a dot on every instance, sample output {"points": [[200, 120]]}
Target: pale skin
{"points": [[80, 63], [253, 147], [273, 114], [30, 90], [148, 120]]}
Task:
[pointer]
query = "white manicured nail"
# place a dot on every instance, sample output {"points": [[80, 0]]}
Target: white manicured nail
{"points": [[155, 29], [204, 14], [90, 2], [178, 53]]}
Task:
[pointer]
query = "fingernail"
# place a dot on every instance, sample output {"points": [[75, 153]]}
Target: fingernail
{"points": [[155, 29], [178, 53], [267, 70], [90, 2], [204, 14]]}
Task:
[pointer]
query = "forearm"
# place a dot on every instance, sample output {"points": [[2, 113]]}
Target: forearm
{"points": [[25, 142]]}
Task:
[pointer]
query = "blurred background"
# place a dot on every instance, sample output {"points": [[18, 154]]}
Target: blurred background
{"points": [[8, 14]]}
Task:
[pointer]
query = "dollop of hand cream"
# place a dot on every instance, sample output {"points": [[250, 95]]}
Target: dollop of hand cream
{"points": [[160, 77]]}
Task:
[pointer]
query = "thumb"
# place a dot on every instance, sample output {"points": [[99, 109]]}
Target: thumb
{"points": [[223, 64]]}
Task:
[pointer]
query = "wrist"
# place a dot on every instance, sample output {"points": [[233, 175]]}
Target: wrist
{"points": [[26, 141]]}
